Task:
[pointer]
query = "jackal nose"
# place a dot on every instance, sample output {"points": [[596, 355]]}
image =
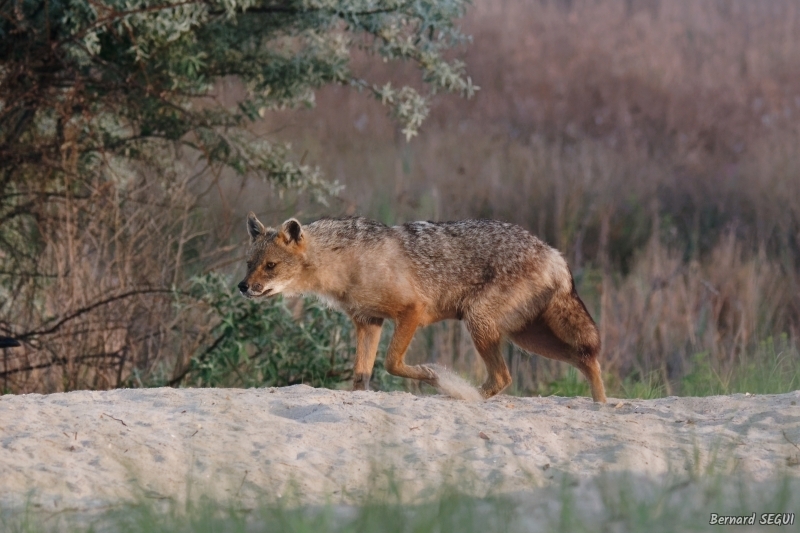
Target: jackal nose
{"points": [[243, 286]]}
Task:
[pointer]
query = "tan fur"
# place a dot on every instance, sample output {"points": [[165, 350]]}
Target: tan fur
{"points": [[498, 278]]}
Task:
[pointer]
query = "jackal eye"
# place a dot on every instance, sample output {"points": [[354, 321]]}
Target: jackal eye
{"points": [[269, 266]]}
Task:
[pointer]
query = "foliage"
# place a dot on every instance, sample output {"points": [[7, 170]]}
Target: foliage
{"points": [[266, 343], [774, 368], [646, 388], [609, 502], [85, 83], [113, 128], [572, 384], [654, 143]]}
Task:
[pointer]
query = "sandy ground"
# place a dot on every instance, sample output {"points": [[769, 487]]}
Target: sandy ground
{"points": [[89, 450]]}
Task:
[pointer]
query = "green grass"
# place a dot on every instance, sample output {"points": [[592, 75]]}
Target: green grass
{"points": [[647, 388], [773, 367], [610, 502], [572, 384]]}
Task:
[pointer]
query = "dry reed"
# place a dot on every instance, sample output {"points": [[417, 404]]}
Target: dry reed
{"points": [[655, 142]]}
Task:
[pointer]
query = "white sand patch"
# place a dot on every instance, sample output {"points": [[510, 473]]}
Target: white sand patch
{"points": [[85, 450], [453, 385]]}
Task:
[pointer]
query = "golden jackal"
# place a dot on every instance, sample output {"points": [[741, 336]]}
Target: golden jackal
{"points": [[498, 278]]}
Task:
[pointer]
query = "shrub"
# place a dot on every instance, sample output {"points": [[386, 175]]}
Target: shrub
{"points": [[269, 342]]}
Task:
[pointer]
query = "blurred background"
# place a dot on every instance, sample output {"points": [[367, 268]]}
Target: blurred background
{"points": [[655, 143]]}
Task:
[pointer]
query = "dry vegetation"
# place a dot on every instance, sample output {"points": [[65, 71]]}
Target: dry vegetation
{"points": [[96, 307], [656, 143]]}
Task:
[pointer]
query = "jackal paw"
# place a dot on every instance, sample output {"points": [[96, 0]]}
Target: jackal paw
{"points": [[361, 382], [488, 392], [432, 378]]}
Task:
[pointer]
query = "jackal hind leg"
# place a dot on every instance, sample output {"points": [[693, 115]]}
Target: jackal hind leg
{"points": [[405, 327], [498, 375], [538, 337], [368, 335]]}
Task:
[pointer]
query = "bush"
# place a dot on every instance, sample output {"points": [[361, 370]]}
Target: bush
{"points": [[269, 342], [114, 135]]}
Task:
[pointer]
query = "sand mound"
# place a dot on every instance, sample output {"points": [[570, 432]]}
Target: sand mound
{"points": [[85, 450]]}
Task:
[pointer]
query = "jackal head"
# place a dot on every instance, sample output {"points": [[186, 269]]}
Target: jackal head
{"points": [[274, 259]]}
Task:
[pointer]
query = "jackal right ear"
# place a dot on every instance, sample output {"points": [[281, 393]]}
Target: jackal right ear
{"points": [[254, 227], [291, 231]]}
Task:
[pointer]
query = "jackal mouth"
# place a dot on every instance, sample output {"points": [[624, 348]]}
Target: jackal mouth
{"points": [[250, 296]]}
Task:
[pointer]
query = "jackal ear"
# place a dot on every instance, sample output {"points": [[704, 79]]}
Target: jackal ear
{"points": [[291, 231], [254, 227]]}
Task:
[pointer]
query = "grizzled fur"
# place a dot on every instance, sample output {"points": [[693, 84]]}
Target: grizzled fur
{"points": [[498, 278]]}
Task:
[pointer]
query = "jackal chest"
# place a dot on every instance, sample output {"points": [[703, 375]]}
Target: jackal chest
{"points": [[356, 307]]}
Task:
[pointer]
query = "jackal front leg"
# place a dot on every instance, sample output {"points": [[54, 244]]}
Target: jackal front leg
{"points": [[368, 335], [405, 327]]}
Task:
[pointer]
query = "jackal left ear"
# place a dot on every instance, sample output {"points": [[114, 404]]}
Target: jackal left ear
{"points": [[254, 226], [291, 231]]}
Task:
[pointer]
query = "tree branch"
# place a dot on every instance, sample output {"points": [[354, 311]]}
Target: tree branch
{"points": [[86, 309]]}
